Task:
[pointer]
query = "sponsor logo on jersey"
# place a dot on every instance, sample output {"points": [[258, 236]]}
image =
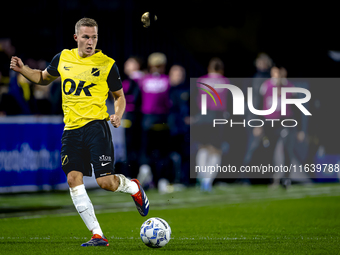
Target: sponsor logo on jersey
{"points": [[73, 88], [105, 158]]}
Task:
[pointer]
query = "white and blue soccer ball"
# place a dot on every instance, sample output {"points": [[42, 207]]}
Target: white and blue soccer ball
{"points": [[155, 232]]}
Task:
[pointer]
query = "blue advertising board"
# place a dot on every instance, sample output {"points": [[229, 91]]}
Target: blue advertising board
{"points": [[30, 153]]}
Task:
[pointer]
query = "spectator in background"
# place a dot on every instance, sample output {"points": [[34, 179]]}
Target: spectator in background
{"points": [[178, 121], [132, 116], [211, 140], [263, 64], [2, 91], [132, 68], [155, 107], [20, 97], [24, 97], [42, 94], [6, 51], [278, 135], [56, 97]]}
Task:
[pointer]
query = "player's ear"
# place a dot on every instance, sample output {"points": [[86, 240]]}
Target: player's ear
{"points": [[75, 37]]}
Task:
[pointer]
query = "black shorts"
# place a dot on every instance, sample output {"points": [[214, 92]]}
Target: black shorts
{"points": [[90, 144]]}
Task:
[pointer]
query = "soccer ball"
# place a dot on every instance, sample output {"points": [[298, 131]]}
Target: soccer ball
{"points": [[155, 232]]}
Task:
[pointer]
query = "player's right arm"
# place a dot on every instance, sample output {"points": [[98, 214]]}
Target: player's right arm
{"points": [[34, 75]]}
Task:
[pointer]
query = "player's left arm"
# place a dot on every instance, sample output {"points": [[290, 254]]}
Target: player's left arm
{"points": [[116, 87], [120, 104]]}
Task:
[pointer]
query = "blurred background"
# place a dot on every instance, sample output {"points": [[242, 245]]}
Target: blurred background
{"points": [[247, 38]]}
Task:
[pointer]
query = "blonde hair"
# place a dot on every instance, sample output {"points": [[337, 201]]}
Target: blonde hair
{"points": [[85, 22], [157, 59]]}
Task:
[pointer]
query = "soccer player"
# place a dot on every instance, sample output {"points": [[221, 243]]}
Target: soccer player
{"points": [[132, 115], [279, 134], [155, 108], [87, 77], [210, 149]]}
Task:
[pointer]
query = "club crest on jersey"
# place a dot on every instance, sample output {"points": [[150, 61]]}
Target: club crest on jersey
{"points": [[95, 72]]}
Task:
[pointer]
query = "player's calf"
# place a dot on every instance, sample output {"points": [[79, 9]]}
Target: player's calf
{"points": [[109, 182]]}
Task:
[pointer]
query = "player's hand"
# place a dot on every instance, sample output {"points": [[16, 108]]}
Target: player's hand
{"points": [[115, 120], [16, 64]]}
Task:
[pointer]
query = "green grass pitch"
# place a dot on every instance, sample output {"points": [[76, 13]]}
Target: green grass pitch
{"points": [[230, 220]]}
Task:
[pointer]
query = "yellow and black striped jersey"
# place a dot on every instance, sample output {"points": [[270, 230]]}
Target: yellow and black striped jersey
{"points": [[85, 83]]}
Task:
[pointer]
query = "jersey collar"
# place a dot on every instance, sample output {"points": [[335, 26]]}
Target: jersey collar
{"points": [[96, 53]]}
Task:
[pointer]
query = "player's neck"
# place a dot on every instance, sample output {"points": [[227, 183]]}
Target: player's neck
{"points": [[84, 55]]}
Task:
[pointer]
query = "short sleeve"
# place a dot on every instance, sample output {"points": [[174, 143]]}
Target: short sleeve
{"points": [[52, 68], [113, 80]]}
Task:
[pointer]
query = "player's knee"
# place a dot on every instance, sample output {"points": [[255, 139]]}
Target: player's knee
{"points": [[74, 179], [108, 182]]}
